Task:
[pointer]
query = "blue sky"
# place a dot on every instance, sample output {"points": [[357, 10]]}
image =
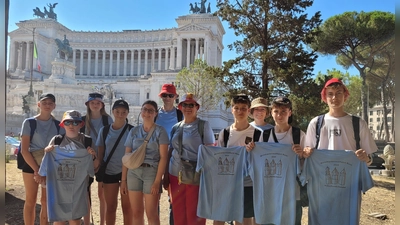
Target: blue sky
{"points": [[106, 15]]}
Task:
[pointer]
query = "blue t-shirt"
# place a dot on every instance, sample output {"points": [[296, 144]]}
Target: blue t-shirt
{"points": [[273, 167], [167, 119], [335, 180], [115, 164], [136, 137], [67, 170], [44, 132], [191, 140], [95, 129], [221, 182]]}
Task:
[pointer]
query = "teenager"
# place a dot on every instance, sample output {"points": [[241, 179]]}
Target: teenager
{"points": [[259, 111], [32, 150]]}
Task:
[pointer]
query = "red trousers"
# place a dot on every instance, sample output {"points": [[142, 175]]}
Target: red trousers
{"points": [[184, 203]]}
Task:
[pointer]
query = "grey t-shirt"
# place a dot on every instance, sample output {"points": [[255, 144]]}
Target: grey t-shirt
{"points": [[67, 170]]}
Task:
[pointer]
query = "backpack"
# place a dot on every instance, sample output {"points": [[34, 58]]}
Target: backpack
{"points": [[179, 115], [256, 135], [104, 119], [200, 129], [58, 139], [356, 127], [32, 124]]}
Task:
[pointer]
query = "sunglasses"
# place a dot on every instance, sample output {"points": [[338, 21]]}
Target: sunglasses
{"points": [[167, 95], [73, 122], [190, 105]]}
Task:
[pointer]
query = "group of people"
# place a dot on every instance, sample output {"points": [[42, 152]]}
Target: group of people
{"points": [[65, 158]]}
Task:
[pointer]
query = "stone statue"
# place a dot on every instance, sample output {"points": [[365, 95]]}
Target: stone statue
{"points": [[63, 46], [25, 105], [388, 156], [203, 6], [51, 14], [38, 13], [194, 9], [209, 8]]}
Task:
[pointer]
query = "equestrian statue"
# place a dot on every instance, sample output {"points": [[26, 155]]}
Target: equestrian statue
{"points": [[64, 47], [46, 14], [202, 9]]}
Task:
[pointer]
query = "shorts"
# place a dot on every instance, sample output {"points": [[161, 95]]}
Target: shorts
{"points": [[248, 202], [141, 179], [112, 179], [27, 169]]}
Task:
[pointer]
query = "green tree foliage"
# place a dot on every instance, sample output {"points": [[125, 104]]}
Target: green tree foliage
{"points": [[356, 39], [272, 36], [197, 80]]}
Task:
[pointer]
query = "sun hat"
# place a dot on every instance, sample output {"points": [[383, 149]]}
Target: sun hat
{"points": [[259, 102], [94, 96], [120, 103], [188, 98], [47, 96], [168, 88], [71, 115]]}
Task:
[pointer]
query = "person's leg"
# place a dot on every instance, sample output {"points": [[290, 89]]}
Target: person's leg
{"points": [[136, 201], [74, 222], [86, 218], [111, 199], [218, 222], [192, 198], [31, 190], [102, 202], [126, 209], [178, 199], [43, 207], [151, 204], [248, 217], [60, 223], [299, 213]]}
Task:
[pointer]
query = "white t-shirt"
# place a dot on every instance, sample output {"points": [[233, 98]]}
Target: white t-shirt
{"points": [[337, 133]]}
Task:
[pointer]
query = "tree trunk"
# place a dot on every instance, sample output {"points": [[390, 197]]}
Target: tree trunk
{"points": [[364, 96]]}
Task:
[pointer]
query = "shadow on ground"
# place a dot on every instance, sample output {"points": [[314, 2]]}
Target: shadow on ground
{"points": [[14, 210]]}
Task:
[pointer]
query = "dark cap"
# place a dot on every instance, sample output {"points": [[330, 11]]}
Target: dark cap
{"points": [[120, 103], [46, 96]]}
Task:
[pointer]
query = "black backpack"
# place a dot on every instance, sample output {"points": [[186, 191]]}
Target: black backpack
{"points": [[32, 124], [179, 115], [58, 139]]}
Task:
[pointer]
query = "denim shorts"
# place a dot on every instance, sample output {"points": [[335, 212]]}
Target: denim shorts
{"points": [[141, 179]]}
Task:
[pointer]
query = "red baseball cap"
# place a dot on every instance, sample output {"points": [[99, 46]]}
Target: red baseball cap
{"points": [[330, 82], [168, 88]]}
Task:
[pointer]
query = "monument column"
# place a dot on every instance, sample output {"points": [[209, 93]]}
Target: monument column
{"points": [[11, 65], [111, 62], [125, 60], [172, 59], [179, 53], [166, 59], [139, 56], [146, 56], [19, 56], [81, 62], [103, 63], [96, 62], [153, 59], [118, 61], [159, 58], [197, 49], [88, 62], [74, 57], [132, 61], [188, 53]]}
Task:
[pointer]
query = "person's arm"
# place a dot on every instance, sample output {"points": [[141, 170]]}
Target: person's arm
{"points": [[163, 149], [124, 175]]}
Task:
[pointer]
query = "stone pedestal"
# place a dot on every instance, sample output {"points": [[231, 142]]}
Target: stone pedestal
{"points": [[386, 173], [62, 72]]}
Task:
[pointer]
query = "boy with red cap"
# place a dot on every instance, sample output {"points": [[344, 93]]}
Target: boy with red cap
{"points": [[336, 173]]}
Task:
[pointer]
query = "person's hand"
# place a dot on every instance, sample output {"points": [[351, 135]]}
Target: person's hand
{"points": [[91, 151], [155, 187], [307, 152], [166, 181], [362, 155], [96, 164], [298, 150], [49, 148], [123, 187], [250, 146]]}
